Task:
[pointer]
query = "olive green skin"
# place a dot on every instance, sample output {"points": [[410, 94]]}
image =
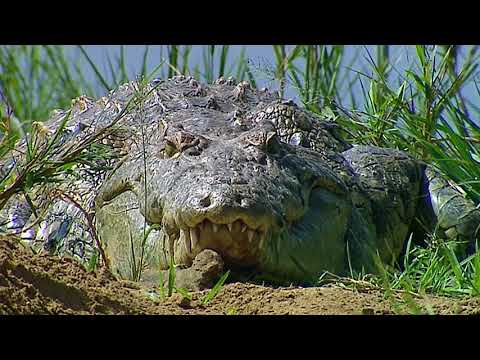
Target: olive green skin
{"points": [[322, 204], [264, 183]]}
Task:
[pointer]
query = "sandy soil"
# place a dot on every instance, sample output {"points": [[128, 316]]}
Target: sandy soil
{"points": [[43, 284]]}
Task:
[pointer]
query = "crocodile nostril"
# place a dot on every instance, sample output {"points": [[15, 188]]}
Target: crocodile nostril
{"points": [[205, 201]]}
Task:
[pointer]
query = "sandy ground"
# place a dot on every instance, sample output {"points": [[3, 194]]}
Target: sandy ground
{"points": [[43, 284]]}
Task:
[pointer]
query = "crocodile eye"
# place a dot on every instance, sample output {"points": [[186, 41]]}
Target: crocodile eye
{"points": [[272, 143], [264, 137], [179, 142], [183, 142]]}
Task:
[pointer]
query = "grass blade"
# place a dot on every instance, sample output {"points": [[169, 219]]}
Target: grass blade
{"points": [[214, 291]]}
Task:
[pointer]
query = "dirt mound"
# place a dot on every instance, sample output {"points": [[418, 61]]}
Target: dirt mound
{"points": [[43, 284], [248, 299]]}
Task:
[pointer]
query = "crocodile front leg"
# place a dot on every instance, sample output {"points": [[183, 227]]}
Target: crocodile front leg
{"points": [[447, 213]]}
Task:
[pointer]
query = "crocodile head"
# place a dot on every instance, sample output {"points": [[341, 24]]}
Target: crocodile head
{"points": [[247, 186]]}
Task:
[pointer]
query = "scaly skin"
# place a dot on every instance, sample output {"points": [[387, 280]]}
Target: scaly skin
{"points": [[262, 182]]}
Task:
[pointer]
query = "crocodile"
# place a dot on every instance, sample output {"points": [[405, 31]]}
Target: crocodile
{"points": [[265, 185]]}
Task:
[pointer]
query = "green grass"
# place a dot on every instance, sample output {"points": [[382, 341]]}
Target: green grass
{"points": [[172, 286], [420, 109], [436, 271], [216, 288]]}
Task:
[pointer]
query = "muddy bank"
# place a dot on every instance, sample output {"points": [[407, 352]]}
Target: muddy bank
{"points": [[43, 284]]}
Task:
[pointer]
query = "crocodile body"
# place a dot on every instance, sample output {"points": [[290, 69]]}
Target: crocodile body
{"points": [[264, 183]]}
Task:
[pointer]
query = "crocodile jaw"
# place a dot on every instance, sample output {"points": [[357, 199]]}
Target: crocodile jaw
{"points": [[235, 241]]}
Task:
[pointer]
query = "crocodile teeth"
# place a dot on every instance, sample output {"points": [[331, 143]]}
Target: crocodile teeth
{"points": [[183, 233], [194, 237], [250, 234], [215, 227], [244, 227], [229, 227], [236, 225], [186, 238], [262, 240]]}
